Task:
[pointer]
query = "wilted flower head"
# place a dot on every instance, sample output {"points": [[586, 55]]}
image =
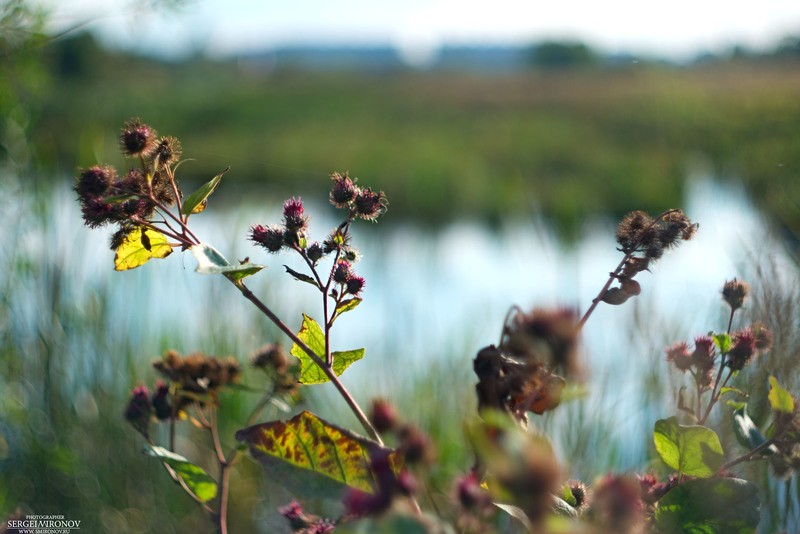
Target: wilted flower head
{"points": [[369, 205], [679, 355], [137, 139], [269, 237], [315, 252], [763, 335], [734, 292], [343, 190], [703, 355], [548, 336], [198, 373], [743, 349]]}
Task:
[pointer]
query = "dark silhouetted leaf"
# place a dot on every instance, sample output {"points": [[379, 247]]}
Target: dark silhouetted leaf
{"points": [[195, 478], [709, 506], [311, 456], [302, 277], [691, 450]]}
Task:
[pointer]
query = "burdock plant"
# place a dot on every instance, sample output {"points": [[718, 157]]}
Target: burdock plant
{"points": [[516, 469]]}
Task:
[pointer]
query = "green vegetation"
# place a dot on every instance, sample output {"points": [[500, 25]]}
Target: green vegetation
{"points": [[567, 143]]}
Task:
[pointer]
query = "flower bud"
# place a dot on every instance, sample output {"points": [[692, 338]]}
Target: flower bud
{"points": [[383, 415], [293, 215], [161, 401], [342, 272], [355, 284], [269, 237]]}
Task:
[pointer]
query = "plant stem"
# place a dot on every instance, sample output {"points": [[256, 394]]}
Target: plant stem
{"points": [[602, 292], [748, 456], [224, 475], [616, 271], [351, 402]]}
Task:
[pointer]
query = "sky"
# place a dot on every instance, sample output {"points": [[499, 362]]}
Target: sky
{"points": [[676, 29]]}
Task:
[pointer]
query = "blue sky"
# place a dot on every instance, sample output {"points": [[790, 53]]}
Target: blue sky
{"points": [[676, 29]]}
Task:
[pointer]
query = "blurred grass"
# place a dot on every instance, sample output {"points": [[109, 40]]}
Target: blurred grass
{"points": [[567, 143]]}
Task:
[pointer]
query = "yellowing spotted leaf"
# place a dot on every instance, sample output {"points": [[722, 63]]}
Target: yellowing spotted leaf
{"points": [[313, 457], [138, 247]]}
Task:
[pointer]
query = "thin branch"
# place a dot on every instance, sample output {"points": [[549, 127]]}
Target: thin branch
{"points": [[748, 456], [356, 409]]}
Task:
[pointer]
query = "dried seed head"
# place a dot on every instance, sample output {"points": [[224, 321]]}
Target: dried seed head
{"points": [[469, 492], [271, 356], [615, 296], [97, 212], [734, 292], [95, 181], [631, 230], [343, 191], [198, 373], [137, 139], [167, 151], [546, 336]]}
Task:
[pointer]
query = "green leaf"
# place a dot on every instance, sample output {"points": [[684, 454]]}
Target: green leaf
{"points": [[747, 432], [347, 305], [210, 261], [691, 450], [312, 335], [709, 506], [723, 342], [195, 478], [196, 202], [780, 399], [311, 456], [728, 389], [300, 276], [140, 246]]}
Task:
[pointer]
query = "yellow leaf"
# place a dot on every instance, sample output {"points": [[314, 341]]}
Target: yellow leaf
{"points": [[140, 246]]}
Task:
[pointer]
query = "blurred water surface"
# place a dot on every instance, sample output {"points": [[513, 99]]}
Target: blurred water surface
{"points": [[434, 296]]}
